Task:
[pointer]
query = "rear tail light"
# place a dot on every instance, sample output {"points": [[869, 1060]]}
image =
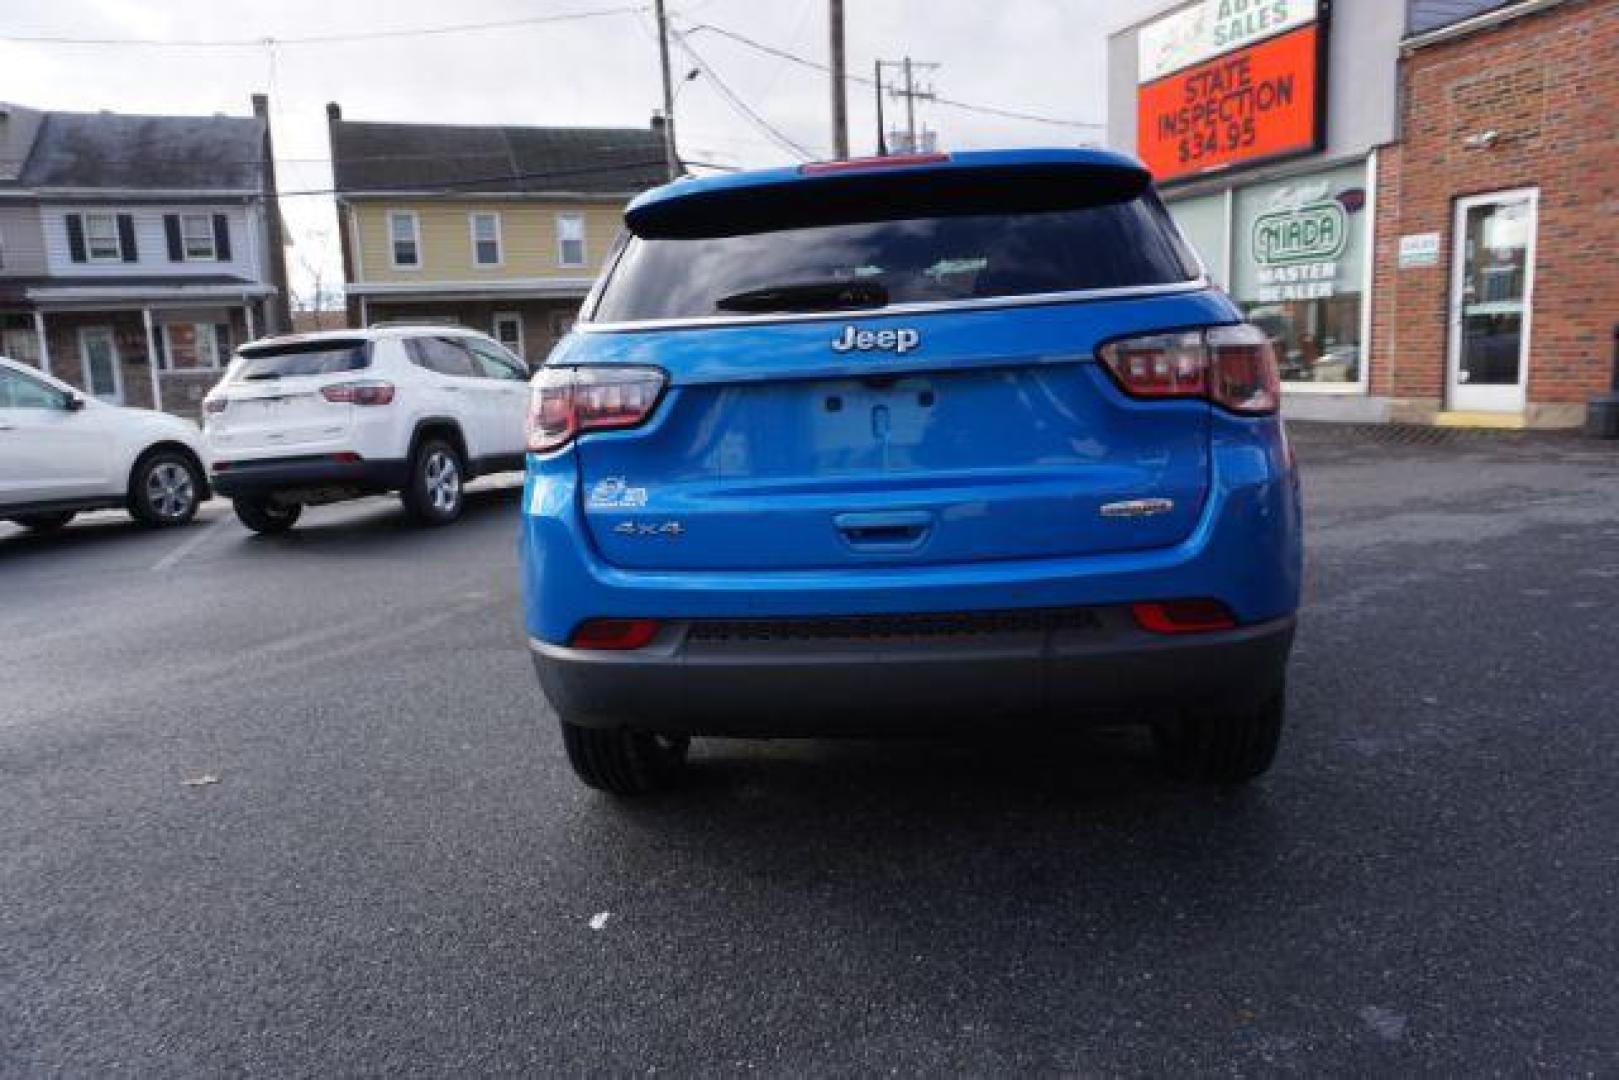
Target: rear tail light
{"points": [[1232, 366], [569, 401], [614, 634], [359, 393], [1183, 616]]}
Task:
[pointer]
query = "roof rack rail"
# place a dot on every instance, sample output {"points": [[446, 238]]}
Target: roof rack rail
{"points": [[436, 321]]}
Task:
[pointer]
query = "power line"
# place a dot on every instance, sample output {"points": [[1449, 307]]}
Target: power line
{"points": [[471, 183], [736, 102], [966, 106], [326, 39]]}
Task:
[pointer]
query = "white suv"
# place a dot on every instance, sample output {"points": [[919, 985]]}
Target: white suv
{"points": [[315, 418], [61, 453]]}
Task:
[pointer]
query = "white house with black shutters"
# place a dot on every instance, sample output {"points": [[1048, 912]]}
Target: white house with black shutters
{"points": [[137, 251]]}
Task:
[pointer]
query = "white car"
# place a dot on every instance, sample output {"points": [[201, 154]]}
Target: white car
{"points": [[61, 452], [314, 418]]}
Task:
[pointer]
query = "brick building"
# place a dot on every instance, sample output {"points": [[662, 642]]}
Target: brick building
{"points": [[1504, 188], [1415, 198]]}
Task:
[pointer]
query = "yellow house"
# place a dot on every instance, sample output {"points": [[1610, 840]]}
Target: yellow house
{"points": [[502, 229]]}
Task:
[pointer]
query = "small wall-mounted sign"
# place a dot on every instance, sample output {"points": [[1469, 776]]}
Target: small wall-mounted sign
{"points": [[1419, 249]]}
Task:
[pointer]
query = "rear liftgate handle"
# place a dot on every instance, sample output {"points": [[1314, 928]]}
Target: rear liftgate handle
{"points": [[885, 531]]}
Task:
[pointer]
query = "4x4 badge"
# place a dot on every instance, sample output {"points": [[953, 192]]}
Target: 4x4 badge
{"points": [[649, 528], [899, 341]]}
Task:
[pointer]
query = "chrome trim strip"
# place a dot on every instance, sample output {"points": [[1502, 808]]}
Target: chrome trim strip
{"points": [[982, 303]]}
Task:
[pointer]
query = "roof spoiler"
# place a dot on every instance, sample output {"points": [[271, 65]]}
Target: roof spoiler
{"points": [[887, 189]]}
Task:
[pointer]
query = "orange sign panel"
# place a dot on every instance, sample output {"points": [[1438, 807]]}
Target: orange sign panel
{"points": [[1258, 102]]}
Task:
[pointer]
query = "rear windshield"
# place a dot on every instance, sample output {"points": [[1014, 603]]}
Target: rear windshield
{"points": [[328, 357], [900, 261]]}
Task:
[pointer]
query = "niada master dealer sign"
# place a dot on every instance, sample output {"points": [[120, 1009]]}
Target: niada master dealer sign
{"points": [[1297, 251], [1227, 82]]}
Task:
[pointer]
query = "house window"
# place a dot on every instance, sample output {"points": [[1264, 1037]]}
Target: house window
{"points": [[405, 236], [101, 238], [197, 234], [570, 240], [19, 341], [509, 330], [486, 239], [193, 345]]}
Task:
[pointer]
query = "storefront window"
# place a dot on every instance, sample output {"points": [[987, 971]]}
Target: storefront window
{"points": [[1298, 270], [1202, 222]]}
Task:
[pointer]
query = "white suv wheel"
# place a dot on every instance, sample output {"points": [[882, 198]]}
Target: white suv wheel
{"points": [[170, 490], [443, 478]]}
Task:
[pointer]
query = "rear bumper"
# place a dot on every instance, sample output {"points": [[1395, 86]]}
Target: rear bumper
{"points": [[307, 473], [1245, 551], [693, 681]]}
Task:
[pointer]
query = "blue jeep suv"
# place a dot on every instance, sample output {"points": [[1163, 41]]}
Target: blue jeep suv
{"points": [[904, 445]]}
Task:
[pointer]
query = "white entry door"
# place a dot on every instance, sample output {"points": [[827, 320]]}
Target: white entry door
{"points": [[103, 375], [1491, 287]]}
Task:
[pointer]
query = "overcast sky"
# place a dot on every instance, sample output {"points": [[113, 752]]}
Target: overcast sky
{"points": [[1042, 57]]}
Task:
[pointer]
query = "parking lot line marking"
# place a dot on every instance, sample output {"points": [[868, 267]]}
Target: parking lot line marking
{"points": [[168, 561]]}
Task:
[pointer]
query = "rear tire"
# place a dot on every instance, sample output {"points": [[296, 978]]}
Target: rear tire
{"points": [[165, 488], [434, 493], [266, 518], [625, 761], [1222, 748], [44, 523]]}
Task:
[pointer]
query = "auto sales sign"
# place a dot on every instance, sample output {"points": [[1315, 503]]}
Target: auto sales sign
{"points": [[1228, 82]]}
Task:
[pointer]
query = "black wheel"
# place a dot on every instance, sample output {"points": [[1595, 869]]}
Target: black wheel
{"points": [[624, 761], [165, 488], [1222, 748], [265, 517], [433, 494], [44, 523]]}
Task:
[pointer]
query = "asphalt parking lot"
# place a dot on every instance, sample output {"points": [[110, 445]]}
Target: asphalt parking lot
{"points": [[396, 872]]}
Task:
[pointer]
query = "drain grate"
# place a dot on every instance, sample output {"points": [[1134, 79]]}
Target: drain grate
{"points": [[1307, 433]]}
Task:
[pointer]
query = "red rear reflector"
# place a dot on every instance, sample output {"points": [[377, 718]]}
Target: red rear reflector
{"points": [[347, 457], [897, 161], [614, 633], [1182, 616]]}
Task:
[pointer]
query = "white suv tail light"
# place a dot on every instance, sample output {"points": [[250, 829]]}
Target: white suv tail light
{"points": [[568, 401], [368, 392], [1232, 366]]}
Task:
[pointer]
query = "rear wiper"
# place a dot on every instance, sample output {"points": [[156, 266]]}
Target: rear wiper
{"points": [[809, 296], [261, 375]]}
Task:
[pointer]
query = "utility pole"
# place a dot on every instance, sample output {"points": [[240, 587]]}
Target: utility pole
{"points": [[840, 100], [914, 141], [671, 154], [910, 108], [882, 135]]}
